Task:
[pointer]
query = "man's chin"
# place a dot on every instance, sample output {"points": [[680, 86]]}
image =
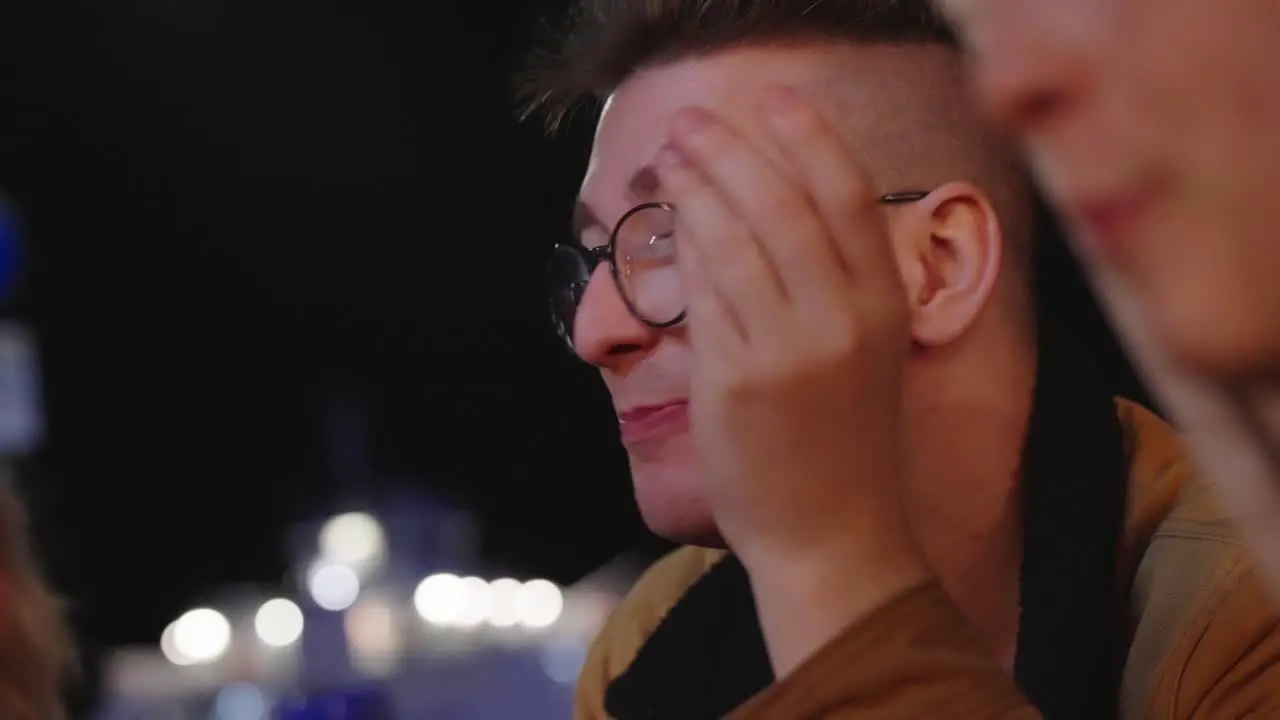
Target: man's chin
{"points": [[684, 531], [673, 507]]}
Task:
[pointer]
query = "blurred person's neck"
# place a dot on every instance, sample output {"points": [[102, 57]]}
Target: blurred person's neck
{"points": [[969, 406]]}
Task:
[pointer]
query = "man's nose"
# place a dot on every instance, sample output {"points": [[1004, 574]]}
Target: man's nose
{"points": [[605, 333], [1027, 60]]}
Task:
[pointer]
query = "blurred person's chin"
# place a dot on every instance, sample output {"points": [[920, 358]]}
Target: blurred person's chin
{"points": [[668, 490], [1234, 346], [1203, 266], [1212, 295], [1220, 313]]}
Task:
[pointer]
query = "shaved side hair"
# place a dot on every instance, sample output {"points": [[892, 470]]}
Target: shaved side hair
{"points": [[913, 122]]}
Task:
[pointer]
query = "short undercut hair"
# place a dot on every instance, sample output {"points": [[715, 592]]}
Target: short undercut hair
{"points": [[608, 41]]}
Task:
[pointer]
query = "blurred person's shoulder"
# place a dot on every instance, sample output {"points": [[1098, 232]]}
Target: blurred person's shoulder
{"points": [[634, 621], [1206, 631]]}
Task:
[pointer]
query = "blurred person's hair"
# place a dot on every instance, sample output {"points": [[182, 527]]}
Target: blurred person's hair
{"points": [[607, 41], [37, 655]]}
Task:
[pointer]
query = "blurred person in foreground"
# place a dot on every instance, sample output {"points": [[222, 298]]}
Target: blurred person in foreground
{"points": [[1155, 127], [803, 267]]}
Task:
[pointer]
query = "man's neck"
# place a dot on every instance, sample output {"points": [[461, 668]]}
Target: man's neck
{"points": [[964, 499]]}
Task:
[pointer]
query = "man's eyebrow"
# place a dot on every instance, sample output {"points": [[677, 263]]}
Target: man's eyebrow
{"points": [[643, 186]]}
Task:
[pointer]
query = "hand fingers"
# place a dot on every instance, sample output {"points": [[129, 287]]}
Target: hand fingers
{"points": [[714, 328], [842, 192], [727, 255], [783, 221]]}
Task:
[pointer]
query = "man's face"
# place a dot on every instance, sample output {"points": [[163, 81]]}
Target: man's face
{"points": [[647, 370], [1154, 125]]}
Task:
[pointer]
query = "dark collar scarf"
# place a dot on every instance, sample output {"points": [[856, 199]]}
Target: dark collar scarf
{"points": [[708, 656]]}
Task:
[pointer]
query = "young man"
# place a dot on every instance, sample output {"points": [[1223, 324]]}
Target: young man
{"points": [[1153, 124], [802, 266]]}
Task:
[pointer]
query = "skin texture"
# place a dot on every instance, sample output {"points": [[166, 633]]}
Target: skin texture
{"points": [[750, 463]]}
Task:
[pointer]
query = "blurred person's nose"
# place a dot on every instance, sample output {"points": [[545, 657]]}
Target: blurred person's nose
{"points": [[1028, 59], [605, 333]]}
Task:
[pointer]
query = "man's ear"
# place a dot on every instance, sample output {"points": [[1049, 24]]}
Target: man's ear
{"points": [[955, 259]]}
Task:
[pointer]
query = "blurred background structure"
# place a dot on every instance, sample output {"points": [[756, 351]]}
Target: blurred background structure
{"points": [[389, 610], [385, 621], [281, 263]]}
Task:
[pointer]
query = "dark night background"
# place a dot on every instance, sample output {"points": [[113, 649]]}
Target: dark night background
{"points": [[241, 210]]}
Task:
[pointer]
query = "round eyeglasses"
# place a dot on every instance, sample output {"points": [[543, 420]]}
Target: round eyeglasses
{"points": [[641, 254]]}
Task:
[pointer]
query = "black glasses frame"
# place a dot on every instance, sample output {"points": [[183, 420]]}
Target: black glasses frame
{"points": [[592, 257]]}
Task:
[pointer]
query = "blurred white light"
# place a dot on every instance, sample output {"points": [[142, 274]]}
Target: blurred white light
{"points": [[333, 587], [504, 608], [352, 539], [539, 604], [240, 701], [202, 635], [440, 599], [170, 650], [278, 622], [477, 603]]}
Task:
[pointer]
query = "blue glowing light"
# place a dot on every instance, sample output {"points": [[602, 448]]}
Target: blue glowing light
{"points": [[10, 250]]}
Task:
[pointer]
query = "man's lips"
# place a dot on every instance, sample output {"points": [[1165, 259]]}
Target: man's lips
{"points": [[644, 423], [1110, 221]]}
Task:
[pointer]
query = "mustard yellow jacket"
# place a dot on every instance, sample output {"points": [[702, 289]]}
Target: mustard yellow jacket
{"points": [[1205, 635]]}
